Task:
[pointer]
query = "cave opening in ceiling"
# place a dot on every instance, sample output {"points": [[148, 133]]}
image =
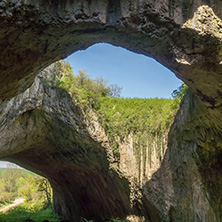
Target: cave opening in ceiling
{"points": [[138, 75], [59, 121], [44, 130]]}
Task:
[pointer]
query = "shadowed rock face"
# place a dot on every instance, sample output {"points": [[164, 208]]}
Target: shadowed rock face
{"points": [[190, 173], [184, 36], [53, 140], [46, 132]]}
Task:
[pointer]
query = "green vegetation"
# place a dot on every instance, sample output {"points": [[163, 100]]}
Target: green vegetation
{"points": [[29, 212], [21, 183], [113, 220], [84, 90], [179, 93], [127, 116], [140, 118], [145, 119], [35, 189]]}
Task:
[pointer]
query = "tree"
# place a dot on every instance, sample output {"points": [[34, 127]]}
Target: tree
{"points": [[45, 187], [180, 91], [114, 91], [83, 89], [9, 177]]}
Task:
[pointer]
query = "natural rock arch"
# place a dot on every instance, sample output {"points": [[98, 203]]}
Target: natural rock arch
{"points": [[183, 36]]}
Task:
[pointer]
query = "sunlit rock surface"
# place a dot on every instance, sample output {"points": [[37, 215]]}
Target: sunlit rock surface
{"points": [[53, 140], [43, 130]]}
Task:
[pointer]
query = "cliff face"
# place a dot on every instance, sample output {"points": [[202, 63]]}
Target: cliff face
{"points": [[190, 173], [195, 147], [175, 177], [44, 131], [49, 126], [185, 184]]}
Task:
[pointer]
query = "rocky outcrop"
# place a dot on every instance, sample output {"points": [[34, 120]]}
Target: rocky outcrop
{"points": [[195, 147], [184, 36], [175, 177], [185, 184], [43, 130], [190, 174]]}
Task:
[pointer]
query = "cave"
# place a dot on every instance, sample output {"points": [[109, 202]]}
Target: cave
{"points": [[184, 36]]}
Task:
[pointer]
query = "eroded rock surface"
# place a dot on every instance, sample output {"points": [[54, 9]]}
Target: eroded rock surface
{"points": [[44, 130], [184, 36], [190, 174]]}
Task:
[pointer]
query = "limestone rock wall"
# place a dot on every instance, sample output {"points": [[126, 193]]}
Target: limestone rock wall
{"points": [[175, 177], [190, 173], [195, 139], [44, 131]]}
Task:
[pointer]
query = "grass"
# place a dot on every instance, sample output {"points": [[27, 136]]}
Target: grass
{"points": [[28, 212], [113, 220], [5, 204], [35, 213]]}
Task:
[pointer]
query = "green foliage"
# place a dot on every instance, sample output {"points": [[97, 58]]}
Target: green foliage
{"points": [[180, 91], [86, 91], [121, 117], [21, 183], [45, 189], [113, 220], [8, 185], [29, 212], [35, 189], [134, 115], [142, 118], [178, 94], [114, 91]]}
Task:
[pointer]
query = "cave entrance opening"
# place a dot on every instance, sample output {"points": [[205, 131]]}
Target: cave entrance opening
{"points": [[139, 76], [23, 194], [121, 64], [191, 49]]}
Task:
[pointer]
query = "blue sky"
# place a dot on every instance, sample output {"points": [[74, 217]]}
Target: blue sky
{"points": [[138, 75], [3, 164]]}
